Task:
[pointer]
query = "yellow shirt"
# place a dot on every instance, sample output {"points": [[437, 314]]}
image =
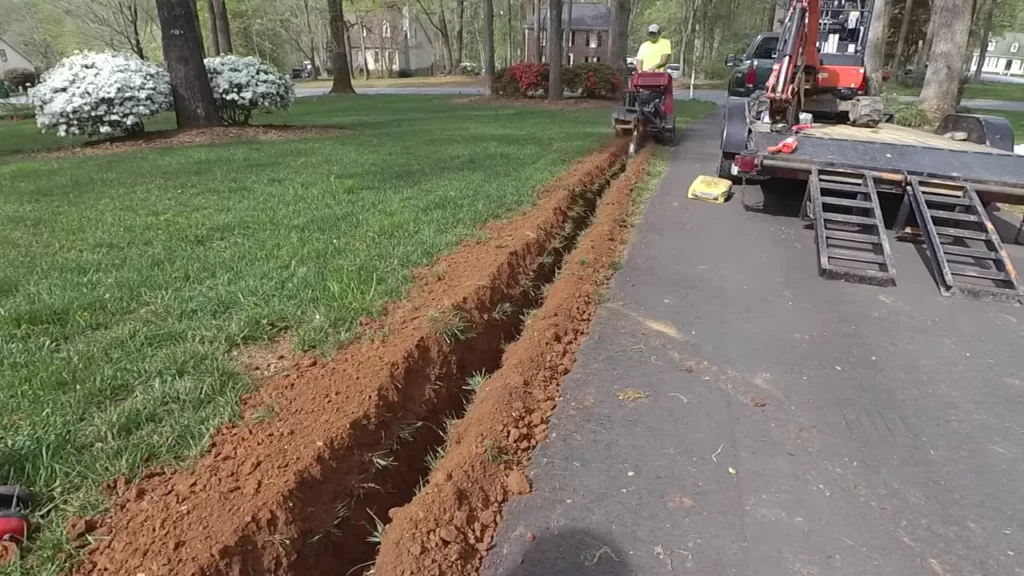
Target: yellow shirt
{"points": [[650, 54]]}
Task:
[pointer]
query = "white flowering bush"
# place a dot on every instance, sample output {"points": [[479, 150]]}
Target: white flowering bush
{"points": [[242, 85], [100, 93]]}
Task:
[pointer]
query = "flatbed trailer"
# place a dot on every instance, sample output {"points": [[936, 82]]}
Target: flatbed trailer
{"points": [[946, 185]]}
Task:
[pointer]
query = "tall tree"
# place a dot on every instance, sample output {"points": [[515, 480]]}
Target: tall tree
{"points": [[920, 63], [223, 27], [510, 37], [618, 37], [488, 45], [116, 24], [946, 59], [193, 99], [555, 50], [339, 57], [568, 29], [211, 15], [874, 59], [534, 49], [460, 30], [901, 41], [781, 8], [986, 32]]}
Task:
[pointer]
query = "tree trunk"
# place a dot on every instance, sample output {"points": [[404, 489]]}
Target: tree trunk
{"points": [[568, 32], [488, 41], [874, 59], [194, 106], [199, 28], [929, 39], [555, 49], [781, 8], [508, 11], [535, 41], [211, 14], [348, 51], [946, 59], [223, 27], [460, 30], [901, 42], [986, 32], [339, 57], [362, 48], [618, 37], [136, 41], [446, 37]]}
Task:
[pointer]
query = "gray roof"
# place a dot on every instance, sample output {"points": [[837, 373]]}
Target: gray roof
{"points": [[585, 16], [1004, 44]]}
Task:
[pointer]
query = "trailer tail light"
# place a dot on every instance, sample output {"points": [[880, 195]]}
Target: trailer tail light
{"points": [[751, 76], [745, 163]]}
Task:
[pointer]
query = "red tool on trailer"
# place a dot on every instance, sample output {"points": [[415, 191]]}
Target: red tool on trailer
{"points": [[646, 109]]}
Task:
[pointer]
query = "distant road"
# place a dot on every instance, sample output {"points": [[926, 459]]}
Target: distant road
{"points": [[717, 96]]}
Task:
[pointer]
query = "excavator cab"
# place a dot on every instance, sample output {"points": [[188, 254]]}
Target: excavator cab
{"points": [[820, 64]]}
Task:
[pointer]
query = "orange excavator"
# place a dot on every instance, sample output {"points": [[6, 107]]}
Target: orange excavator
{"points": [[819, 65]]}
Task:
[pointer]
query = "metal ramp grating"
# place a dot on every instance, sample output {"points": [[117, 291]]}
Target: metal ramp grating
{"points": [[848, 228], [967, 257]]}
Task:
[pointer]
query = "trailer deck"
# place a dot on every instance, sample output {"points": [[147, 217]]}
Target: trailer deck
{"points": [[895, 153]]}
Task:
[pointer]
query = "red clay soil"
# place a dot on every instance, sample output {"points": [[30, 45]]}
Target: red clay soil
{"points": [[448, 527], [289, 493], [192, 137]]}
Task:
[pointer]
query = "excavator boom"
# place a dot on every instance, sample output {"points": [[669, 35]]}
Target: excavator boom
{"points": [[820, 56]]}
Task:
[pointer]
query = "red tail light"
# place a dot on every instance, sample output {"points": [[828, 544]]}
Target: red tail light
{"points": [[751, 76], [745, 163]]}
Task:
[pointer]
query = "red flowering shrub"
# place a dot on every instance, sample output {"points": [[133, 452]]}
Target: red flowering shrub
{"points": [[592, 80], [522, 80]]}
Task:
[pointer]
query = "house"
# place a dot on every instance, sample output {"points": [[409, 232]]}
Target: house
{"points": [[588, 35], [1005, 56], [386, 41], [10, 57]]}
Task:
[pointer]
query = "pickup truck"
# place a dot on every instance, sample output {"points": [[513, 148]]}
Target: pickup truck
{"points": [[750, 71]]}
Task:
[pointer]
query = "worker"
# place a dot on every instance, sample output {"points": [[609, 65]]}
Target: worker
{"points": [[653, 54]]}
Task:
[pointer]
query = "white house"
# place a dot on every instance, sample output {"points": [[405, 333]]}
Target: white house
{"points": [[390, 40], [1005, 56], [11, 57]]}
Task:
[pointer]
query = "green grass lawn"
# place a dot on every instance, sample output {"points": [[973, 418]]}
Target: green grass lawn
{"points": [[127, 279], [974, 91]]}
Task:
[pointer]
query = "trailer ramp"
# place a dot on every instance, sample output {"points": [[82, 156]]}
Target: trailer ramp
{"points": [[848, 226], [967, 257]]}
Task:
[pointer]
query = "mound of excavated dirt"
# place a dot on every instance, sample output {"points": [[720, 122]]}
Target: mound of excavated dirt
{"points": [[448, 527], [306, 485], [192, 137]]}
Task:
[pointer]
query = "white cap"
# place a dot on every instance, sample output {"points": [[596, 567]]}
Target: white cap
{"points": [[654, 29]]}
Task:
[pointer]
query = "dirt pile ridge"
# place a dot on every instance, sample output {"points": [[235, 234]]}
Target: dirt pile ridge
{"points": [[301, 488], [448, 528]]}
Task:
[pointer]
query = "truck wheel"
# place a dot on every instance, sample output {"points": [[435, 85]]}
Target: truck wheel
{"points": [[725, 167]]}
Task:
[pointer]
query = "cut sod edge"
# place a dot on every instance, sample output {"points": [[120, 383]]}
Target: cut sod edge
{"points": [[305, 488], [448, 528]]}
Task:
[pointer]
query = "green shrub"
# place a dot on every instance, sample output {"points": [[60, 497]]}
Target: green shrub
{"points": [[405, 73], [5, 91], [20, 77], [592, 80]]}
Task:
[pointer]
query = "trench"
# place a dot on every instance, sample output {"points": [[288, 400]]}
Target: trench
{"points": [[400, 459]]}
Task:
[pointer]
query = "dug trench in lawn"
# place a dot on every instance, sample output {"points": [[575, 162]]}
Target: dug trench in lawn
{"points": [[306, 483], [447, 529]]}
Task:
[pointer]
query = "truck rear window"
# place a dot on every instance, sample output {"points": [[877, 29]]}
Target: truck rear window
{"points": [[766, 48]]}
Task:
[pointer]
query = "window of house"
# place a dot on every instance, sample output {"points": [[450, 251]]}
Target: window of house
{"points": [[1014, 47], [571, 59], [593, 39], [543, 37], [572, 38], [991, 44], [3, 55], [386, 30]]}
